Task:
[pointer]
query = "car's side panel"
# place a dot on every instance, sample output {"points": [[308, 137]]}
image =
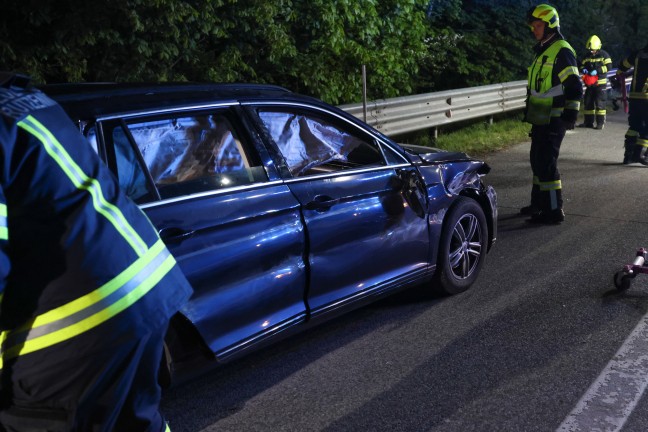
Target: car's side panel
{"points": [[367, 239], [243, 254]]}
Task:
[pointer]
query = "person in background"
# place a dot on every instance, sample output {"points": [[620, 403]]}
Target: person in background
{"points": [[595, 67], [87, 287], [636, 138], [554, 93]]}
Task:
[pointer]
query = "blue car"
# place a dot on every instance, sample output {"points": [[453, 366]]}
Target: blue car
{"points": [[282, 210]]}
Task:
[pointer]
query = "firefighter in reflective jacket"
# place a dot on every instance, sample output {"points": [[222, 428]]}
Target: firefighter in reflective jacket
{"points": [[595, 68], [554, 94], [87, 287], [636, 138]]}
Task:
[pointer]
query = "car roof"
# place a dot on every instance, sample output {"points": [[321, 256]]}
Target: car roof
{"points": [[89, 100]]}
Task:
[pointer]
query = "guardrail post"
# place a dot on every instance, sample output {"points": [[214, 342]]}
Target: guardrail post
{"points": [[364, 92]]}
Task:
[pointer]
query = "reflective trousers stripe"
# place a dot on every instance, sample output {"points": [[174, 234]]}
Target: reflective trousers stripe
{"points": [[550, 185], [553, 199], [82, 182], [4, 232], [92, 309], [631, 133]]}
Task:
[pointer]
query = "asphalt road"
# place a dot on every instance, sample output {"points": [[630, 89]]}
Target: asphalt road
{"points": [[526, 349]]}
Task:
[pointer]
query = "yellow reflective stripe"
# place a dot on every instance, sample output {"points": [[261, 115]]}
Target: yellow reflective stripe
{"points": [[572, 104], [556, 111], [631, 133], [94, 308], [4, 231], [642, 142], [601, 112], [565, 73], [551, 185], [83, 182], [167, 428], [638, 95], [589, 112]]}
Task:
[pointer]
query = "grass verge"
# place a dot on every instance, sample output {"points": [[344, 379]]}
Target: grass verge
{"points": [[476, 138]]}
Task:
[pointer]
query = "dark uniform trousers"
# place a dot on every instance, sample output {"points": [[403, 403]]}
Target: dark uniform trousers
{"points": [[636, 138], [86, 394], [546, 193], [595, 101]]}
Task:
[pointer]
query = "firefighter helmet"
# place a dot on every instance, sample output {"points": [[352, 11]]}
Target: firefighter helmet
{"points": [[593, 43], [546, 13]]}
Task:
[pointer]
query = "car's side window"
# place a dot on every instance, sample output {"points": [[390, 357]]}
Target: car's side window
{"points": [[130, 173], [313, 144], [188, 154]]}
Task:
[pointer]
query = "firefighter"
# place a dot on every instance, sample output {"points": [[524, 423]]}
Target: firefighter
{"points": [[87, 286], [594, 68], [554, 92], [636, 138]]}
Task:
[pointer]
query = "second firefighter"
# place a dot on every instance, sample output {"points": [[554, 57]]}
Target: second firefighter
{"points": [[595, 68]]}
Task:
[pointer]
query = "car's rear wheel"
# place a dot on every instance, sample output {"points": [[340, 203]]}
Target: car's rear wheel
{"points": [[462, 249]]}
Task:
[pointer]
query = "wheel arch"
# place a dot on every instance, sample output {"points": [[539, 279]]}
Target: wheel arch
{"points": [[183, 344], [482, 199]]}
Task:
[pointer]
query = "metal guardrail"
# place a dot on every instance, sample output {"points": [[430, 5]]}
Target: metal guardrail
{"points": [[411, 113], [429, 110]]}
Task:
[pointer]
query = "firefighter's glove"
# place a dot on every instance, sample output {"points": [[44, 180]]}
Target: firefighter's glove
{"points": [[568, 119], [594, 72], [585, 71]]}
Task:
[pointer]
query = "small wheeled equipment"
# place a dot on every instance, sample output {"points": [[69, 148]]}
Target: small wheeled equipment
{"points": [[623, 278]]}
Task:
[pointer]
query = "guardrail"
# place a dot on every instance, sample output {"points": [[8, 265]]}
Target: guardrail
{"points": [[429, 110], [411, 113]]}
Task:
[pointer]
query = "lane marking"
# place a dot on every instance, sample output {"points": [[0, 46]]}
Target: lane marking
{"points": [[610, 399]]}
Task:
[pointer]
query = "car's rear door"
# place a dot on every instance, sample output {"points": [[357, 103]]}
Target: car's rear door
{"points": [[233, 227], [363, 234]]}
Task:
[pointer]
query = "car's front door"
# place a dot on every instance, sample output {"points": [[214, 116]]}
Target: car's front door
{"points": [[363, 235]]}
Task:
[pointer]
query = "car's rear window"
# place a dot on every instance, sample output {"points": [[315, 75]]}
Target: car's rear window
{"points": [[185, 155]]}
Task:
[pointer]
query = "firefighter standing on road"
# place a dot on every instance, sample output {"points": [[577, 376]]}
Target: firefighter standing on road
{"points": [[595, 68], [636, 138], [86, 285], [554, 94]]}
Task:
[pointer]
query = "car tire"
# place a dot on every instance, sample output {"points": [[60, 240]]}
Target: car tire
{"points": [[462, 249]]}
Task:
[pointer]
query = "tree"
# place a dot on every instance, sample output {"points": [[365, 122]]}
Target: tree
{"points": [[474, 43], [316, 47]]}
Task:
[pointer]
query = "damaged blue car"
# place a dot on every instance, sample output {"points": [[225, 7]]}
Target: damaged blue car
{"points": [[282, 210]]}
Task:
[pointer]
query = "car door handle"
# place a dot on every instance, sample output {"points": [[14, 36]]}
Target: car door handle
{"points": [[174, 234], [321, 203]]}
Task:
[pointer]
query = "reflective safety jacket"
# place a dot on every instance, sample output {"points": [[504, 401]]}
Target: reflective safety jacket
{"points": [[600, 61], [77, 257], [554, 85], [639, 61]]}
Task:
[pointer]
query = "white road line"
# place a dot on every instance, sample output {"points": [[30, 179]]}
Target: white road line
{"points": [[610, 400]]}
